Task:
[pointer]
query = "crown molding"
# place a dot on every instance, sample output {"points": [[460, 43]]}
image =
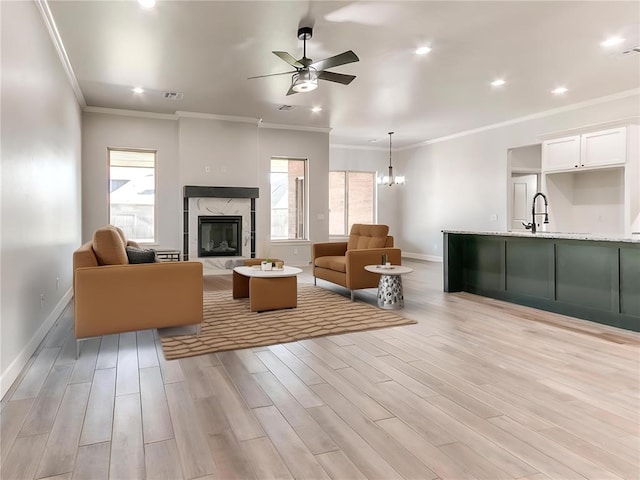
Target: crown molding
{"points": [[131, 113], [278, 126], [621, 122], [546, 113], [50, 23], [212, 116], [360, 147]]}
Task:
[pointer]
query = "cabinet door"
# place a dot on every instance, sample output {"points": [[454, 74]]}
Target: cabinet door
{"points": [[606, 147], [561, 154]]}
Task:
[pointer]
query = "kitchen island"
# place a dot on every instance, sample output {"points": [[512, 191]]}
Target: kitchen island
{"points": [[589, 276]]}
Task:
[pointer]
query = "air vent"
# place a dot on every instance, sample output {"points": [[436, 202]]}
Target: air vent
{"points": [[632, 51], [285, 108], [172, 95]]}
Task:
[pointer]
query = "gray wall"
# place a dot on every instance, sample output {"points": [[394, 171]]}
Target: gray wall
{"points": [[208, 151], [376, 160], [461, 183], [314, 146], [101, 131], [40, 223]]}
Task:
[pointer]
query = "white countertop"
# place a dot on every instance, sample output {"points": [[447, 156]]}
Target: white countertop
{"points": [[595, 237]]}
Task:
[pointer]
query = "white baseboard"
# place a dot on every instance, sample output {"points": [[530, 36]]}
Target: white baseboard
{"points": [[420, 256], [11, 373]]}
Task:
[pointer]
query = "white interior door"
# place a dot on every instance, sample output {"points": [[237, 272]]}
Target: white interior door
{"points": [[522, 188]]}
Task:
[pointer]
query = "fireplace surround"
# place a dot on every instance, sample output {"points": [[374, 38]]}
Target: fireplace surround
{"points": [[232, 207]]}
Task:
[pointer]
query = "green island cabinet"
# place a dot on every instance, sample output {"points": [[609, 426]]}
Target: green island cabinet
{"points": [[593, 277]]}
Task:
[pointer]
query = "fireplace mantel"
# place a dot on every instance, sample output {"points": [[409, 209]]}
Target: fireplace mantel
{"points": [[242, 194], [193, 191]]}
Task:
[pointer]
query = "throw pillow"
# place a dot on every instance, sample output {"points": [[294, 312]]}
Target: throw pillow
{"points": [[141, 255]]}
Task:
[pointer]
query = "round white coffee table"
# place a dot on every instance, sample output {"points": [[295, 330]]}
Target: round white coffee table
{"points": [[267, 289], [390, 294]]}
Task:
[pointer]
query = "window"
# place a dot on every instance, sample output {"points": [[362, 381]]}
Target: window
{"points": [[288, 199], [132, 193], [351, 200]]}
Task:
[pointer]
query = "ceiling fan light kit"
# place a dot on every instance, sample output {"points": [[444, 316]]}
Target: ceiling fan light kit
{"points": [[307, 72], [304, 81]]}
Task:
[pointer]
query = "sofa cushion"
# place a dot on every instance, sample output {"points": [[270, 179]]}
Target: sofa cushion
{"points": [[367, 236], [141, 255], [338, 264], [109, 247]]}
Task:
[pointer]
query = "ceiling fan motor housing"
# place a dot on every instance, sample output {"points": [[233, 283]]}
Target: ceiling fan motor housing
{"points": [[305, 33]]}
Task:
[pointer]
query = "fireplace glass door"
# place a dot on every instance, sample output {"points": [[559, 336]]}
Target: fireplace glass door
{"points": [[219, 236]]}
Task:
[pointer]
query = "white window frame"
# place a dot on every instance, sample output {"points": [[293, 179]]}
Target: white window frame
{"points": [[152, 241], [346, 199], [305, 209]]}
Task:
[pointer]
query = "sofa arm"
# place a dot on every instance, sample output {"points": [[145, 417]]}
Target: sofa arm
{"points": [[123, 298], [328, 249], [356, 260]]}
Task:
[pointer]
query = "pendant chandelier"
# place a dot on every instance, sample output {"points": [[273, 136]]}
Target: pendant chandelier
{"points": [[390, 179]]}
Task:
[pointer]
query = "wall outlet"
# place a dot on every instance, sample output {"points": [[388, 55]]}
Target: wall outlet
{"points": [[493, 217], [41, 299], [295, 251], [207, 169], [57, 283]]}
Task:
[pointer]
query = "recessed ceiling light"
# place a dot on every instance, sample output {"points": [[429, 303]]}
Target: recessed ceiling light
{"points": [[498, 82], [138, 90], [610, 42], [560, 90], [316, 109], [147, 3], [423, 50]]}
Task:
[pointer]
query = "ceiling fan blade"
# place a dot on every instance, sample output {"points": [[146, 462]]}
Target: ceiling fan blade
{"points": [[336, 77], [341, 59], [273, 74], [289, 59]]}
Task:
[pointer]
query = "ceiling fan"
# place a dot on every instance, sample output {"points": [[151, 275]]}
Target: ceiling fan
{"points": [[307, 72]]}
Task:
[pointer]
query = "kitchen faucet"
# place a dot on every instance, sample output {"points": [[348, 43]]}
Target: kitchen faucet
{"points": [[532, 226]]}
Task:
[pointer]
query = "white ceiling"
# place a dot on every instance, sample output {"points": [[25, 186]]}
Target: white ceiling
{"points": [[207, 49]]}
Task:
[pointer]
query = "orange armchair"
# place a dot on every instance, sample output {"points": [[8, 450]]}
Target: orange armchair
{"points": [[343, 263]]}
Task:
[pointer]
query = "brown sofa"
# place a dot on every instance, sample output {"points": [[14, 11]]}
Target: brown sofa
{"points": [[113, 296], [343, 262]]}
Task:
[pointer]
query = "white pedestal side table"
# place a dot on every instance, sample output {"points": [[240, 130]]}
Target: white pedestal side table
{"points": [[390, 294]]}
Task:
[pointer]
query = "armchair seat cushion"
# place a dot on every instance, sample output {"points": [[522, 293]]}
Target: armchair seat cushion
{"points": [[338, 264]]}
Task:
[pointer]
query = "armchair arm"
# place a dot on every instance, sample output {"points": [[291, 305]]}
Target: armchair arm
{"points": [[328, 249], [357, 276], [122, 298]]}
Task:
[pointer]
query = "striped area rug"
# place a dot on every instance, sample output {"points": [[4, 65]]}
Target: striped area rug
{"points": [[230, 325]]}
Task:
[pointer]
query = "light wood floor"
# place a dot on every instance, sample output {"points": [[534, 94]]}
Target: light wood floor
{"points": [[477, 389]]}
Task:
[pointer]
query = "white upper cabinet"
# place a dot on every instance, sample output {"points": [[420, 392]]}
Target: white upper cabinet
{"points": [[561, 153], [607, 147], [595, 149]]}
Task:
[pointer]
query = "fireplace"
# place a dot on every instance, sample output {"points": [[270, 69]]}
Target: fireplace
{"points": [[226, 202], [220, 236]]}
